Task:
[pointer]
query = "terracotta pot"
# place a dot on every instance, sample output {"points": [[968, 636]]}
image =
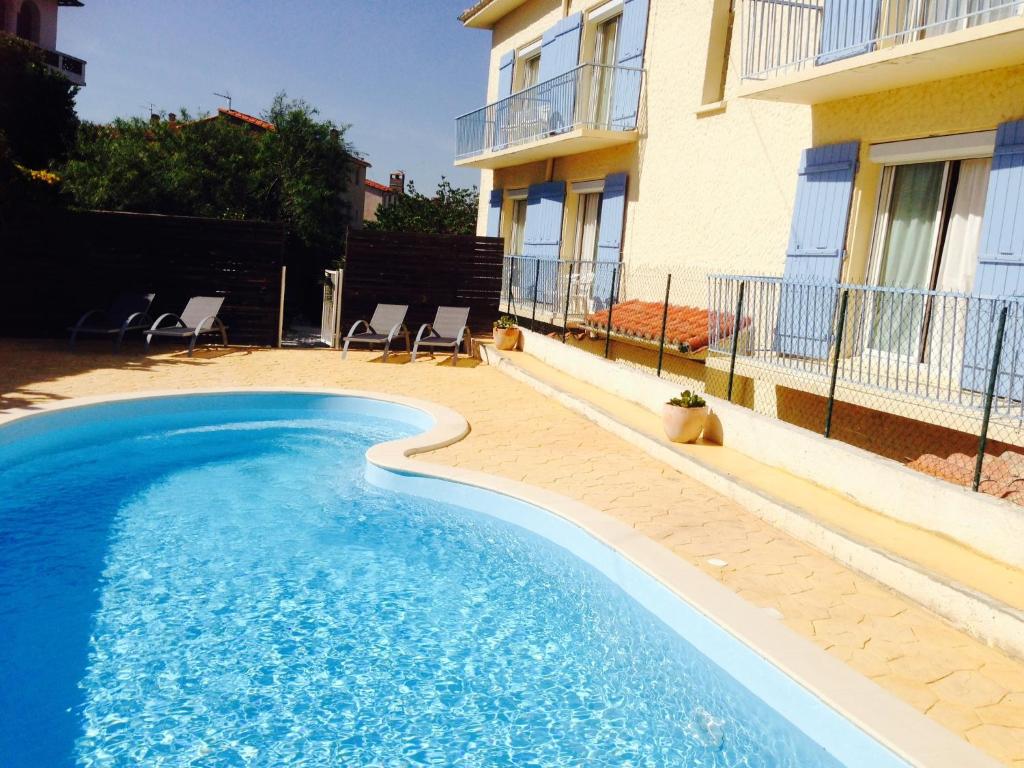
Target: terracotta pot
{"points": [[506, 338], [683, 425]]}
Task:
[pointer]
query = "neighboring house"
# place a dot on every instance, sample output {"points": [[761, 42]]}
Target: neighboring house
{"points": [[875, 143], [36, 21], [356, 194], [382, 195]]}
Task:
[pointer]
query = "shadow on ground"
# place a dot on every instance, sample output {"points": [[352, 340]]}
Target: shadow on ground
{"points": [[47, 360]]}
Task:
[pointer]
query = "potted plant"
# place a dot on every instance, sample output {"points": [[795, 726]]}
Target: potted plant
{"points": [[506, 333], [683, 417]]}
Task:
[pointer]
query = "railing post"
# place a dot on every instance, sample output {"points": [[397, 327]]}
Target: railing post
{"points": [[568, 294], [840, 330], [536, 287], [664, 323], [735, 340], [611, 298], [993, 377], [511, 303]]}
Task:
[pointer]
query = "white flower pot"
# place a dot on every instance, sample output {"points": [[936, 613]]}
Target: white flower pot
{"points": [[683, 425]]}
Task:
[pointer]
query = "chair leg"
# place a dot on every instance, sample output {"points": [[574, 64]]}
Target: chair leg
{"points": [[192, 344], [387, 348], [149, 340], [412, 355], [344, 349], [74, 337], [117, 341]]}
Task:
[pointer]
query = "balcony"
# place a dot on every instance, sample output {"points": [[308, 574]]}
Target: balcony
{"points": [[590, 107], [73, 69], [811, 51]]}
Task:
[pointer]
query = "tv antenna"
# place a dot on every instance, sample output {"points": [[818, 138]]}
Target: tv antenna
{"points": [[226, 95], [152, 108]]}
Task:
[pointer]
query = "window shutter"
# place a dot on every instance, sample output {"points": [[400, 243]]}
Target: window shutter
{"points": [[559, 55], [494, 213], [609, 238], [505, 68], [817, 245], [543, 237], [847, 29], [632, 42], [1000, 271]]}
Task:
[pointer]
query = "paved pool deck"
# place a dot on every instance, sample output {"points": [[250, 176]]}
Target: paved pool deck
{"points": [[974, 690]]}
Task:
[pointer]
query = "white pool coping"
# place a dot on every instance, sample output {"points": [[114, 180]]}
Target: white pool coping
{"points": [[893, 723]]}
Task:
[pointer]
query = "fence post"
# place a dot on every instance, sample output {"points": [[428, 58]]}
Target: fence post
{"points": [[536, 287], [611, 298], [664, 323], [568, 293], [735, 339], [280, 309], [993, 376], [840, 329], [510, 303]]}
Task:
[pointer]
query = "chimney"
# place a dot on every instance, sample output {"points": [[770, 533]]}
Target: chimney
{"points": [[154, 119], [398, 182], [172, 119]]}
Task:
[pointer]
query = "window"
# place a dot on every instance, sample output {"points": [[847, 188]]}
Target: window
{"points": [[529, 72], [926, 237], [588, 213], [28, 21], [606, 55], [515, 241]]}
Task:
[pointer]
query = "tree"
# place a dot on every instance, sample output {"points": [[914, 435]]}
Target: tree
{"points": [[451, 211], [37, 106], [296, 173]]}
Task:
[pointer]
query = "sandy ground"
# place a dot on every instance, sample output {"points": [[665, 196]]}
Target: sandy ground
{"points": [[976, 691]]}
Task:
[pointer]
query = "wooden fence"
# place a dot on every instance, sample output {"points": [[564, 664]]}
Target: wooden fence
{"points": [[423, 271], [53, 270]]}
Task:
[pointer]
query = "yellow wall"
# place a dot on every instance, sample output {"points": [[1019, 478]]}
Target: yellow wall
{"points": [[711, 191], [971, 103]]}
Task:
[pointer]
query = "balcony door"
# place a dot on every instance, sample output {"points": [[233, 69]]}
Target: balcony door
{"points": [[606, 53], [926, 239], [515, 241], [588, 223]]}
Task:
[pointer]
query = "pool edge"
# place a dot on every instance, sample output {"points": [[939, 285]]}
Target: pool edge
{"points": [[893, 723]]}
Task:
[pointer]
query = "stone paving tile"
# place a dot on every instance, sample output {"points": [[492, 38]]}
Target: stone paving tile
{"points": [[972, 689]]}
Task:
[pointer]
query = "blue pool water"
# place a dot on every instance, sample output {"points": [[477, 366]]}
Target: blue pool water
{"points": [[210, 581]]}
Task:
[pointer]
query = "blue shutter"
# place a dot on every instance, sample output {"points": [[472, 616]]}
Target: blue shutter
{"points": [[494, 213], [609, 237], [848, 28], [502, 110], [559, 55], [1000, 270], [817, 245], [632, 41], [543, 238]]}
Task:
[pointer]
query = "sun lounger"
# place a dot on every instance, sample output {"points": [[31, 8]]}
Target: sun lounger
{"points": [[129, 312], [448, 331], [198, 318], [387, 321]]}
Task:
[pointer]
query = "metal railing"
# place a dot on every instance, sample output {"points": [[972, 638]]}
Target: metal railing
{"points": [[589, 96], [784, 36], [921, 346], [73, 69]]}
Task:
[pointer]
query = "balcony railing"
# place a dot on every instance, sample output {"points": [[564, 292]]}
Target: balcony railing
{"points": [[920, 346], [590, 96], [73, 69], [786, 36]]}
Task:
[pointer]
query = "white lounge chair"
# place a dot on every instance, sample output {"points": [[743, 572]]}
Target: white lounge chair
{"points": [[448, 331], [387, 321], [198, 318], [129, 312]]}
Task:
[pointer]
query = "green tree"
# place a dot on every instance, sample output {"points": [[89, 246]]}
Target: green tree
{"points": [[37, 106], [296, 173], [451, 211]]}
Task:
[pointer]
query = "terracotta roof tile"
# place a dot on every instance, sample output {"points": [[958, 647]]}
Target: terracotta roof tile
{"points": [[377, 185], [686, 328], [255, 121]]}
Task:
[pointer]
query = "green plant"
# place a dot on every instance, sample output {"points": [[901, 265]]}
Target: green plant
{"points": [[688, 399], [505, 322]]}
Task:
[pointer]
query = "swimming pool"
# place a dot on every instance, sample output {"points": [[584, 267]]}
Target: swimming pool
{"points": [[219, 580]]}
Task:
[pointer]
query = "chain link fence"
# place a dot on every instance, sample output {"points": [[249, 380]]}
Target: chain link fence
{"points": [[932, 379]]}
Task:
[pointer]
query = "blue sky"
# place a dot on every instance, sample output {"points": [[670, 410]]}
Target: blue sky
{"points": [[398, 71]]}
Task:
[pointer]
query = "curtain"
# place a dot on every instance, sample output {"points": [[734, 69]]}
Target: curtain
{"points": [[960, 253], [907, 256]]}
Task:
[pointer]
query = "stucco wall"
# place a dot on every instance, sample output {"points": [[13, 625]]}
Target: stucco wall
{"points": [[708, 191], [47, 20], [976, 102]]}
